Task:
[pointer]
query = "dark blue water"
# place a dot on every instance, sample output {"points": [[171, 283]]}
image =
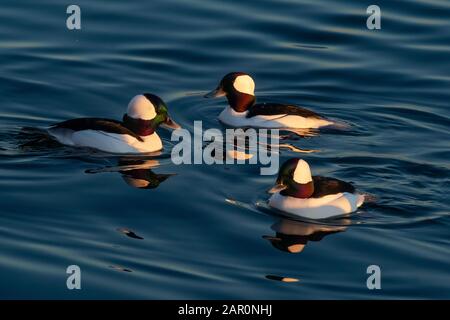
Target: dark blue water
{"points": [[62, 206]]}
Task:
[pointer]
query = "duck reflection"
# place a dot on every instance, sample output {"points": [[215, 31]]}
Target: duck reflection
{"points": [[246, 143], [137, 173], [292, 236], [143, 177]]}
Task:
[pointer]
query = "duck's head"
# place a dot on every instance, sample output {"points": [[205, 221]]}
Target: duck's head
{"points": [[294, 179], [239, 88], [145, 113]]}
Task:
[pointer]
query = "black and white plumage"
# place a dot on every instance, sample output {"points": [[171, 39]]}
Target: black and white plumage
{"points": [[135, 134], [324, 186], [97, 124], [243, 111], [267, 109], [299, 193]]}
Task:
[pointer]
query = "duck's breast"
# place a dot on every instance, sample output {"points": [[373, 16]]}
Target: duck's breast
{"points": [[232, 118]]}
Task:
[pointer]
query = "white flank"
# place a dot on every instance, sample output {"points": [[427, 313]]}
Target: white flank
{"points": [[238, 119], [108, 142], [318, 208]]}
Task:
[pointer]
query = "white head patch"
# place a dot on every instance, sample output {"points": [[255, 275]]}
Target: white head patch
{"points": [[141, 108], [244, 84], [302, 173]]}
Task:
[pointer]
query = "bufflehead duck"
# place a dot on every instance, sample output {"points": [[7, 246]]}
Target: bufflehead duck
{"points": [[135, 134], [239, 88], [300, 194]]}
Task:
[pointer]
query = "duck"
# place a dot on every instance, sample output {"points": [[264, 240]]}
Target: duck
{"points": [[135, 134], [298, 193], [243, 111]]}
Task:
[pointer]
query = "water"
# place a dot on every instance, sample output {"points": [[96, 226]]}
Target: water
{"points": [[204, 234]]}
